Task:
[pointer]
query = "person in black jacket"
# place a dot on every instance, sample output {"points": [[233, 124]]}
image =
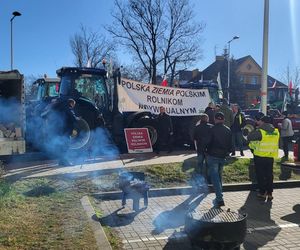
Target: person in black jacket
{"points": [[219, 146], [210, 111], [201, 137], [236, 129], [69, 120], [165, 131]]}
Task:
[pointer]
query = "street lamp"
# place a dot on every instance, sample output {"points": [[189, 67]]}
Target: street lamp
{"points": [[228, 60], [15, 13]]}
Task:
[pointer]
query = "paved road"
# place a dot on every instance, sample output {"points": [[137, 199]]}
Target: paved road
{"points": [[271, 225]]}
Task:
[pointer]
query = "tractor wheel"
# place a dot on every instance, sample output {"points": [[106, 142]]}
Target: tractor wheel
{"points": [[150, 124], [81, 135]]}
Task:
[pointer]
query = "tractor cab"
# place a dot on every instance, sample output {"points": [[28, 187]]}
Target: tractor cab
{"points": [[84, 84]]}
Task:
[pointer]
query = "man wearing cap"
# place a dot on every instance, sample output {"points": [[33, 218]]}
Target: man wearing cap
{"points": [[264, 144], [219, 146]]}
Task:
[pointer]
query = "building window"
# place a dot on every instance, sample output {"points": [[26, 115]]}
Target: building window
{"points": [[254, 80], [242, 79]]}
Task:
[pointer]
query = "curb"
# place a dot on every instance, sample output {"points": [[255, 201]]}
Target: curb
{"points": [[187, 190], [100, 236]]}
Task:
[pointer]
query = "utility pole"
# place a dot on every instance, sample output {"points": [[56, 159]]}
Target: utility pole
{"points": [[264, 77]]}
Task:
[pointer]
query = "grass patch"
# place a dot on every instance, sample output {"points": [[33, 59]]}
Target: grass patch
{"points": [[42, 214], [178, 174], [111, 234], [113, 238]]}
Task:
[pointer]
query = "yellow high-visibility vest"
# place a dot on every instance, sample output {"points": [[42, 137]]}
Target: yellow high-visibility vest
{"points": [[240, 119], [253, 145], [268, 146]]}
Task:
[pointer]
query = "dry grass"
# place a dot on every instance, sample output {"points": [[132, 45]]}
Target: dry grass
{"points": [[37, 214]]}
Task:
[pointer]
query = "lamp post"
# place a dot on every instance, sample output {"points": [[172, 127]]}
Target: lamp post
{"points": [[15, 13], [228, 62]]}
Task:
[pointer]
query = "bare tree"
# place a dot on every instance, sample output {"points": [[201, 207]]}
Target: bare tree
{"points": [[30, 88], [291, 75], [134, 72], [182, 37], [137, 24], [157, 32], [90, 48]]}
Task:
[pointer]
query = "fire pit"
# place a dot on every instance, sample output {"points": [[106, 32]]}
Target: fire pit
{"points": [[133, 186], [216, 228]]}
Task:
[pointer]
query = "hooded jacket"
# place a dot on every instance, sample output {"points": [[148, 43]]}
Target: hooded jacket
{"points": [[256, 134]]}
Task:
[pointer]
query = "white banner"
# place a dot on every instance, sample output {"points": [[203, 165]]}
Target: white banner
{"points": [[136, 96]]}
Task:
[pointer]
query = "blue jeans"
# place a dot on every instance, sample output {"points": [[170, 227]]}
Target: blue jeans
{"points": [[201, 165], [215, 169]]}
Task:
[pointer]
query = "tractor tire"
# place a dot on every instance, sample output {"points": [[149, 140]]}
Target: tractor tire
{"points": [[81, 135], [151, 125]]}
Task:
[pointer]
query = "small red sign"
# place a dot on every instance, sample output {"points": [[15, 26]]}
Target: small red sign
{"points": [[138, 140]]}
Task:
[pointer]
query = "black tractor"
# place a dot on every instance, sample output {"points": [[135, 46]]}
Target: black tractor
{"points": [[88, 88]]}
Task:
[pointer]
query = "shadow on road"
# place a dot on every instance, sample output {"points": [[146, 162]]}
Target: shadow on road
{"points": [[294, 217], [176, 217], [261, 227], [120, 217]]}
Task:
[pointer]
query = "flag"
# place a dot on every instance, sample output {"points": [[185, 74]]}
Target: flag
{"points": [[201, 80], [284, 104], [220, 92], [274, 84], [291, 88], [164, 82]]}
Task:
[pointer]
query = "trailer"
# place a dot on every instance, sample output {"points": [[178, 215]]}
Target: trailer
{"points": [[12, 113]]}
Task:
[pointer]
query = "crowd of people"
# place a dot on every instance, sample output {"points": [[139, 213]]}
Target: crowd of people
{"points": [[220, 134]]}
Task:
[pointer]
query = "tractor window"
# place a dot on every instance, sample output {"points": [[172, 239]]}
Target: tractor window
{"points": [[53, 89], [93, 88], [41, 91]]}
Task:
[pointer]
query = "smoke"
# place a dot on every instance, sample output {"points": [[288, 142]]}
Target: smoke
{"points": [[10, 111], [51, 130]]}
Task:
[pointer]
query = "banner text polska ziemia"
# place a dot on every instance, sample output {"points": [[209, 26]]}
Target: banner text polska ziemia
{"points": [[163, 90]]}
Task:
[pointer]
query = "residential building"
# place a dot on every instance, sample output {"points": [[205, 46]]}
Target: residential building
{"points": [[245, 80]]}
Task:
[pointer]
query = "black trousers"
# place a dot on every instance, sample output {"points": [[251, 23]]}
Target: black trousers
{"points": [[264, 174], [164, 142], [285, 145]]}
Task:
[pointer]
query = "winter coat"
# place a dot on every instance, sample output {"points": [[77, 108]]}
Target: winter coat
{"points": [[201, 136], [164, 125], [255, 135], [211, 114], [286, 128], [238, 122], [220, 141]]}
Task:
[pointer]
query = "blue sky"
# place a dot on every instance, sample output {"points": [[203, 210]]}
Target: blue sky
{"points": [[42, 33]]}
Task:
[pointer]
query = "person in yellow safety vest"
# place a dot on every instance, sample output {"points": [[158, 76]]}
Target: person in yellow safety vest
{"points": [[264, 143]]}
